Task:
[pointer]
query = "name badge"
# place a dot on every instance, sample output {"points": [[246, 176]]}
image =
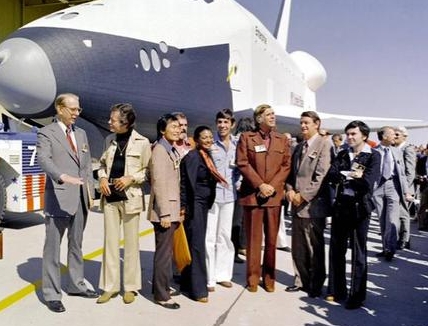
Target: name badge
{"points": [[176, 164], [260, 148]]}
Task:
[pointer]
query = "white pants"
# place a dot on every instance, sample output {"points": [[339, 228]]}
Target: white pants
{"points": [[281, 240], [220, 252], [114, 217]]}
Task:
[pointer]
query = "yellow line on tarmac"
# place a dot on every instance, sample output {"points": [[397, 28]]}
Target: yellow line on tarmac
{"points": [[20, 294]]}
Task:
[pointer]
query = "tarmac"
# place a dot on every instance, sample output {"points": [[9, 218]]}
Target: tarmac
{"points": [[397, 291]]}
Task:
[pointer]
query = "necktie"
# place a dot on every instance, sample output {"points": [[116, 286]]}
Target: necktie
{"points": [[210, 165], [386, 167], [304, 150], [70, 141]]}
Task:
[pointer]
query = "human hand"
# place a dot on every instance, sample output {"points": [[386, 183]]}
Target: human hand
{"points": [[182, 214], [357, 174], [165, 222], [104, 188], [297, 199], [71, 180], [266, 190], [289, 195], [122, 183]]}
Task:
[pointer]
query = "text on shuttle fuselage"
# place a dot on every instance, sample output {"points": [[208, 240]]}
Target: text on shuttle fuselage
{"points": [[260, 35]]}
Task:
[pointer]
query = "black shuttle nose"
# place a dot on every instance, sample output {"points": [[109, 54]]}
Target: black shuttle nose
{"points": [[27, 82]]}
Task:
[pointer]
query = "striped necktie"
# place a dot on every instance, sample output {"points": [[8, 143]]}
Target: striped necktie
{"points": [[387, 164], [70, 142]]}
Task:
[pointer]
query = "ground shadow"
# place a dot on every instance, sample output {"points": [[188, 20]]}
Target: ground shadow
{"points": [[397, 291]]}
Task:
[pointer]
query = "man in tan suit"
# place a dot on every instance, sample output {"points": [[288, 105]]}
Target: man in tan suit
{"points": [[310, 206], [263, 157]]}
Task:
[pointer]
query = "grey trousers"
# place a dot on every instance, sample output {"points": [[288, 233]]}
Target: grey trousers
{"points": [[387, 202], [51, 267]]}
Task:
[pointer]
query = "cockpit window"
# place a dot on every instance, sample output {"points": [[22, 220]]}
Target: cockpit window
{"points": [[70, 15], [56, 14]]}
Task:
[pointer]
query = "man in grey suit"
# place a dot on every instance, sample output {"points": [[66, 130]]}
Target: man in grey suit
{"points": [[310, 206], [409, 160], [63, 153], [390, 190]]}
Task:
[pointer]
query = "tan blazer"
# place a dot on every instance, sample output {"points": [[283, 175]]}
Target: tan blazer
{"points": [[137, 158], [307, 177], [257, 167], [165, 185]]}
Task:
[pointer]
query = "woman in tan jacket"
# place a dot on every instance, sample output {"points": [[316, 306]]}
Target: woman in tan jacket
{"points": [[123, 169]]}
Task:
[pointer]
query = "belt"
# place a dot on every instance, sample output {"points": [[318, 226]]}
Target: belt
{"points": [[390, 178], [204, 181]]}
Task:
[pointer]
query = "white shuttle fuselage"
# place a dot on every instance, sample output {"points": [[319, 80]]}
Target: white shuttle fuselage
{"points": [[195, 56], [161, 55]]}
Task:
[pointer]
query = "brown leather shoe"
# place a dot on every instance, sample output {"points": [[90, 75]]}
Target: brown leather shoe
{"points": [[252, 288], [202, 300], [226, 284], [269, 288], [106, 296], [128, 297]]}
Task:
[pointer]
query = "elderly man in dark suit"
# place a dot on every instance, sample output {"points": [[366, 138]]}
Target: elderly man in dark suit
{"points": [[390, 190], [263, 157], [310, 206], [63, 153]]}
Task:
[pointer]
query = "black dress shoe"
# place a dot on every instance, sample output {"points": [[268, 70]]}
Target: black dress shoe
{"points": [[168, 305], [55, 306], [380, 254], [314, 294], [174, 292], [292, 288], [286, 249], [388, 255], [88, 294], [353, 304]]}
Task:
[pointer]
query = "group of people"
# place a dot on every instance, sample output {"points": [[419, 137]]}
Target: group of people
{"points": [[201, 183]]}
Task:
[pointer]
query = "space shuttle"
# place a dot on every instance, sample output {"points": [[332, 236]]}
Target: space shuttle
{"points": [[195, 56]]}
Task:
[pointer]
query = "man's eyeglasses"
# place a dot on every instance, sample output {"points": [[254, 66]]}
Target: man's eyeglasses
{"points": [[73, 110]]}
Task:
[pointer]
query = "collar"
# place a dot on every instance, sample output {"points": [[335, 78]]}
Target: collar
{"points": [[63, 126], [312, 139], [162, 141], [217, 138], [366, 149], [265, 134]]}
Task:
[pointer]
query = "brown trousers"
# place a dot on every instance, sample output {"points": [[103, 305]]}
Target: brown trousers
{"points": [[257, 220]]}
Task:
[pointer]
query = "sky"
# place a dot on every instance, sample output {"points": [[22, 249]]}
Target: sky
{"points": [[375, 53]]}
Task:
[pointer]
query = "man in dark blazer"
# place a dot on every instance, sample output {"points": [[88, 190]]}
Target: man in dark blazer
{"points": [[422, 181], [263, 157], [353, 173], [310, 206], [63, 153]]}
